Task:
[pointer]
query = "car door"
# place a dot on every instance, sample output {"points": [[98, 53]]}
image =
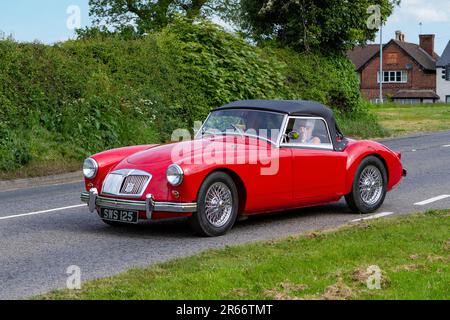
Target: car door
{"points": [[318, 171]]}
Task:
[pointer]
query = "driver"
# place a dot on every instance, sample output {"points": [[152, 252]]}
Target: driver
{"points": [[305, 129]]}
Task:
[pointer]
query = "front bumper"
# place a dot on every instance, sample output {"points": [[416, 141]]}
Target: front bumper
{"points": [[93, 199]]}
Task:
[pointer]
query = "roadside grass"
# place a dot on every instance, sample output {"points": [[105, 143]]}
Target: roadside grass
{"points": [[405, 119], [43, 168], [361, 125], [47, 157], [413, 253]]}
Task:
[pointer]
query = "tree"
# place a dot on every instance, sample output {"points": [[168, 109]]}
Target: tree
{"points": [[150, 15], [325, 25]]}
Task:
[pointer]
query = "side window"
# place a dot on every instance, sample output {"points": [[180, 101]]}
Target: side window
{"points": [[308, 132]]}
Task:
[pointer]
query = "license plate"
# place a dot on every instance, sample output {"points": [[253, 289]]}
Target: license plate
{"points": [[124, 216]]}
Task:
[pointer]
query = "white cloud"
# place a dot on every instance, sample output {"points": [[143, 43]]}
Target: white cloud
{"points": [[423, 11]]}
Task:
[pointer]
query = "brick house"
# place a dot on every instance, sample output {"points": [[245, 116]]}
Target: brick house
{"points": [[409, 70]]}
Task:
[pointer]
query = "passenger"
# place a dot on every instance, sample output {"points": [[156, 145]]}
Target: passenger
{"points": [[305, 129]]}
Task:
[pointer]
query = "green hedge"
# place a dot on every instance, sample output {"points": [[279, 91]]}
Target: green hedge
{"points": [[75, 98]]}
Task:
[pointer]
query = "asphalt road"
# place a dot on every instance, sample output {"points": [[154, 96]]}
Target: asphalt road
{"points": [[39, 243]]}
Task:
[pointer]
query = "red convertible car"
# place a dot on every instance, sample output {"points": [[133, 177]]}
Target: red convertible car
{"points": [[249, 157]]}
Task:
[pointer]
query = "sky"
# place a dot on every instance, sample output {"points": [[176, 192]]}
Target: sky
{"points": [[47, 20], [433, 14], [42, 20]]}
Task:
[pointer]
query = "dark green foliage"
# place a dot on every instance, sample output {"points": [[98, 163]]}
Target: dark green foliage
{"points": [[13, 150], [318, 25], [149, 16], [76, 98], [328, 79]]}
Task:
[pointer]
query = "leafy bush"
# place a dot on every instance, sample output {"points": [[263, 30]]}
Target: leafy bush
{"points": [[76, 98], [14, 151], [327, 79]]}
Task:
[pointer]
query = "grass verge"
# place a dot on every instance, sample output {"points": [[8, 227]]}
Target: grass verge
{"points": [[43, 168], [406, 119], [413, 253]]}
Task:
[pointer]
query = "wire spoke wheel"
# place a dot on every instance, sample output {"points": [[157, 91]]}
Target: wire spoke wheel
{"points": [[218, 204], [370, 185]]}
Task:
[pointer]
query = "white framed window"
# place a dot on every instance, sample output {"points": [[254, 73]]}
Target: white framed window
{"points": [[307, 132], [393, 76]]}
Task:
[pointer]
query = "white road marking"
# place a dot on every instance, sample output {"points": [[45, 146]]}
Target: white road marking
{"points": [[446, 146], [375, 216], [41, 212], [424, 202]]}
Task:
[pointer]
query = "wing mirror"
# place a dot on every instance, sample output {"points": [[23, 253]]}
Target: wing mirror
{"points": [[293, 135]]}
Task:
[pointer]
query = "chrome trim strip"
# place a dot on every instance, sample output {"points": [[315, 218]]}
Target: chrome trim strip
{"points": [[149, 206], [282, 130], [325, 146]]}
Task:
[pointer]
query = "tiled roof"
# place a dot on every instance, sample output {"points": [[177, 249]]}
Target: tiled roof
{"points": [[361, 55], [417, 53], [411, 94], [445, 59]]}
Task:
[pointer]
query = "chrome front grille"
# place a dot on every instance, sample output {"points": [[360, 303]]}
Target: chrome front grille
{"points": [[133, 184], [127, 182], [112, 183]]}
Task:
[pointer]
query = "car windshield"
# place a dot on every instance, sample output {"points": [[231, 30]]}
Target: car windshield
{"points": [[262, 124]]}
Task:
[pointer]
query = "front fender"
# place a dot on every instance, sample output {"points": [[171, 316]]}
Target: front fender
{"points": [[107, 160], [358, 150]]}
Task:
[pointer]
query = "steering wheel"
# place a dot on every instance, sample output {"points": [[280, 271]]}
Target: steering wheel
{"points": [[241, 133]]}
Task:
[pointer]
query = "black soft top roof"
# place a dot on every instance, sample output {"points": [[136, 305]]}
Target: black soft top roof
{"points": [[295, 108], [291, 107]]}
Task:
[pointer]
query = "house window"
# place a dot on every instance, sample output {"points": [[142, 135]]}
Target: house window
{"points": [[447, 99], [393, 76], [408, 101]]}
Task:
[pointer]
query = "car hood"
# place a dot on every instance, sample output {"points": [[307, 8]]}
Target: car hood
{"points": [[176, 152]]}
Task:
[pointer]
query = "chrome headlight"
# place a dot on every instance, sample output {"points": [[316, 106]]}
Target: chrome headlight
{"points": [[175, 175], [90, 168]]}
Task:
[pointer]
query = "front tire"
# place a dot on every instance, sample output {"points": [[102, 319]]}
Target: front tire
{"points": [[217, 206], [369, 186]]}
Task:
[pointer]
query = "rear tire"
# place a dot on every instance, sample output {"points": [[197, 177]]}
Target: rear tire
{"points": [[217, 206], [369, 186]]}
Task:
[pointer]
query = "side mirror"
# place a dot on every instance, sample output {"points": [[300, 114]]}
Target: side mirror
{"points": [[293, 135]]}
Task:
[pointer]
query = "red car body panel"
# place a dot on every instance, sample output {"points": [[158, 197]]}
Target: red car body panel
{"points": [[305, 177]]}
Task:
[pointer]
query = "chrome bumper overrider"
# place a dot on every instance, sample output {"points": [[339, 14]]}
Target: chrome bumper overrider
{"points": [[93, 199]]}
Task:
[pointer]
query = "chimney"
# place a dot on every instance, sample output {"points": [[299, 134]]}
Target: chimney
{"points": [[399, 36], [427, 43]]}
